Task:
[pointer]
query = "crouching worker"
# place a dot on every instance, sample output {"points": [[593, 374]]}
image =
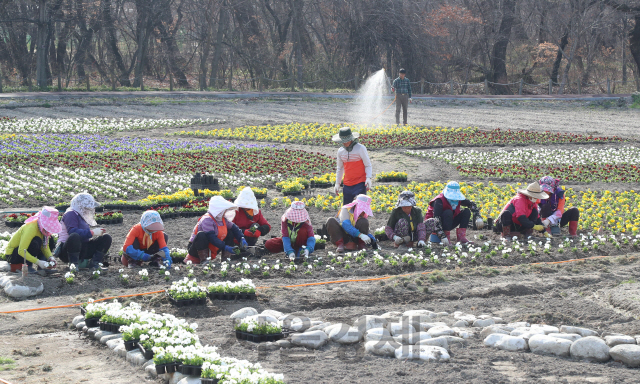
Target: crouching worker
{"points": [[211, 231], [298, 240], [249, 218], [405, 224], [446, 208], [78, 244], [521, 213], [552, 210], [350, 228], [33, 243], [146, 241]]}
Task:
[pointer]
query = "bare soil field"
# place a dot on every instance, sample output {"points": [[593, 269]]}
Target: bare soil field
{"points": [[601, 294]]}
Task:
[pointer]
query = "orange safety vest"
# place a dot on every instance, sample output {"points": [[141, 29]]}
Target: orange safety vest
{"points": [[222, 233]]}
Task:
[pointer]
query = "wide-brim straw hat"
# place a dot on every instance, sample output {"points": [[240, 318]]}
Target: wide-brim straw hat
{"points": [[345, 135], [534, 190]]}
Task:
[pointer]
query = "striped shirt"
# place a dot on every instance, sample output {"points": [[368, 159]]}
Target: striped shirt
{"points": [[402, 86]]}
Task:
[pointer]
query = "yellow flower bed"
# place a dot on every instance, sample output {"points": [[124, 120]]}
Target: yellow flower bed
{"points": [[299, 132], [599, 210], [391, 175], [326, 178], [182, 196], [299, 180], [256, 190]]}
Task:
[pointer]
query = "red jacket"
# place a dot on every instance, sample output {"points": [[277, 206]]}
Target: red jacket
{"points": [[520, 205], [244, 222], [445, 206]]}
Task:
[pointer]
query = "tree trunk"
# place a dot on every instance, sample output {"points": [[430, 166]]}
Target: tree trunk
{"points": [[556, 64], [499, 57], [565, 74], [634, 42], [112, 45], [217, 54], [41, 54], [297, 27]]}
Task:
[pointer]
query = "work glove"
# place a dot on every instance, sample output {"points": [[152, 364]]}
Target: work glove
{"points": [[538, 227], [248, 233], [230, 249], [146, 257], [444, 241], [546, 223], [43, 264], [547, 234], [367, 183], [421, 244], [336, 189], [98, 232], [398, 240], [553, 219], [305, 253], [243, 244], [365, 238], [52, 262], [292, 256], [410, 101]]}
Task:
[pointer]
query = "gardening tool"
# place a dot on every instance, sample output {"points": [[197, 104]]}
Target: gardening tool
{"points": [[478, 222]]}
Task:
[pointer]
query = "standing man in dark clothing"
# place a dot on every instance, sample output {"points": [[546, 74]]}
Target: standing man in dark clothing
{"points": [[402, 88]]}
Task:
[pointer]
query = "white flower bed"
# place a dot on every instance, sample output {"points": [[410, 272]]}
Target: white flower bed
{"points": [[94, 125]]}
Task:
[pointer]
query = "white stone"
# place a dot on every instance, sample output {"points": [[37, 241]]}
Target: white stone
{"points": [[190, 380], [519, 324], [283, 343], [92, 331], [428, 326], [313, 340], [419, 312], [392, 317], [365, 323], [4, 266], [262, 318], [415, 320], [498, 320], [566, 336], [528, 332], [548, 345], [331, 327], [271, 312], [400, 328], [455, 341], [120, 350], [77, 319], [175, 379], [345, 336], [492, 329], [136, 357], [590, 348], [411, 338], [584, 332], [80, 325], [440, 331], [318, 327], [298, 324], [442, 314], [151, 371], [435, 342], [106, 338], [98, 335], [614, 340], [511, 344], [461, 324], [112, 344], [546, 328], [14, 286], [481, 323], [376, 334], [628, 354], [464, 316], [463, 333], [381, 348], [422, 352], [244, 312]]}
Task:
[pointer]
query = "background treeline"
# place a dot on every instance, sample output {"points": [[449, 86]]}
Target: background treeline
{"points": [[451, 45]]}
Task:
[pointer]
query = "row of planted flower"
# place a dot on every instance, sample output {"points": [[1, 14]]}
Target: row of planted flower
{"points": [[94, 125], [173, 343], [387, 136], [580, 164]]}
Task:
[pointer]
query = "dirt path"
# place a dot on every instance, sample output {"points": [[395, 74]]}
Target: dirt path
{"points": [[559, 116]]}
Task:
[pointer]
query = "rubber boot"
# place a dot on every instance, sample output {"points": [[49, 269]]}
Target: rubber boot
{"points": [[361, 244], [204, 254], [340, 246], [96, 260], [448, 235], [506, 232], [461, 236], [573, 228], [434, 239], [74, 258]]}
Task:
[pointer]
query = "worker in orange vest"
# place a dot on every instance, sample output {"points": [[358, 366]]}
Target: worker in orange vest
{"points": [[354, 164]]}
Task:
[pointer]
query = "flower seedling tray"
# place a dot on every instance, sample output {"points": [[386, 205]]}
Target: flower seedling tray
{"points": [[130, 345], [109, 327], [259, 338], [321, 185], [208, 381], [293, 193], [13, 224], [233, 296], [260, 196], [147, 354], [321, 245], [190, 370], [381, 237], [92, 322], [166, 368], [187, 302]]}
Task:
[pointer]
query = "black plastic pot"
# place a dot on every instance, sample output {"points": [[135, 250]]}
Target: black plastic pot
{"points": [[187, 302], [321, 246], [92, 322], [297, 193], [382, 237], [147, 354], [190, 370], [171, 367], [258, 338], [260, 196], [223, 296], [109, 327], [130, 345], [208, 381], [161, 369]]}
